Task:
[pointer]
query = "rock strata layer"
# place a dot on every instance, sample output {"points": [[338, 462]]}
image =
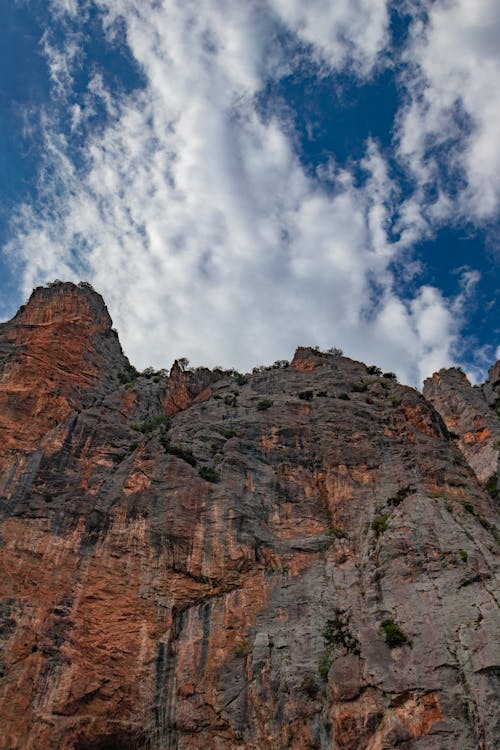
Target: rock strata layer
{"points": [[302, 557]]}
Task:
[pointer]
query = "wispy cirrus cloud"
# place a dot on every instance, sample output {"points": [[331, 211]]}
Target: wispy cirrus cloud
{"points": [[195, 217]]}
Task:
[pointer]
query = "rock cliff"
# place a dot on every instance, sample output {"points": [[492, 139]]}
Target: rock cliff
{"points": [[302, 557], [472, 414]]}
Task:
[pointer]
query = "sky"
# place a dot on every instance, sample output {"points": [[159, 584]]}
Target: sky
{"points": [[241, 177]]}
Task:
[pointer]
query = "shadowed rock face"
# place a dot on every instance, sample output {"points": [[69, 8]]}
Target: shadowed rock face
{"points": [[301, 560]]}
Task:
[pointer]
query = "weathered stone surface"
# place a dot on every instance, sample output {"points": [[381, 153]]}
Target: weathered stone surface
{"points": [[471, 415], [143, 606]]}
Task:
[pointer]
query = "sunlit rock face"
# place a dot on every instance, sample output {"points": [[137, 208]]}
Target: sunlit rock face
{"points": [[300, 558], [471, 414]]}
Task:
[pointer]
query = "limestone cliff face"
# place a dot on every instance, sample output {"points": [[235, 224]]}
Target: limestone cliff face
{"points": [[471, 413], [299, 558]]}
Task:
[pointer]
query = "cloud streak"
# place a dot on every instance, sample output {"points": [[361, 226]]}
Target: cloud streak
{"points": [[194, 216]]}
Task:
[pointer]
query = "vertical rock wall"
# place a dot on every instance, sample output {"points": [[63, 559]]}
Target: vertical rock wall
{"points": [[299, 558]]}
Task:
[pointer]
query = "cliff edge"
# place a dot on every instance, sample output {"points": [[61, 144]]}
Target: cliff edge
{"points": [[300, 557]]}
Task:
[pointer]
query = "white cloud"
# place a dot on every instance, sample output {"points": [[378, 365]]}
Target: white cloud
{"points": [[195, 218], [454, 106], [344, 32]]}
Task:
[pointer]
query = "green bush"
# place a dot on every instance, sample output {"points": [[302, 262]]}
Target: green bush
{"points": [[390, 375], [344, 396], [322, 394], [264, 404], [183, 453], [373, 370], [337, 532], [209, 474], [491, 485], [152, 423], [359, 387], [325, 662], [393, 634], [240, 379], [380, 523], [337, 632], [242, 648], [463, 555], [469, 508]]}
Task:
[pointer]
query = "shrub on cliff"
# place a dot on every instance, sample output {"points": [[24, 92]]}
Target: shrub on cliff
{"points": [[150, 424], [264, 404], [309, 685], [182, 453], [306, 395], [393, 634], [242, 648], [380, 523], [209, 474]]}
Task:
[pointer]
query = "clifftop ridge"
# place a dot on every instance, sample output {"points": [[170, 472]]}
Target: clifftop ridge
{"points": [[305, 556]]}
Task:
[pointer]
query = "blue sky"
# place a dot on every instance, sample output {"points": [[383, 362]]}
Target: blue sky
{"points": [[238, 178]]}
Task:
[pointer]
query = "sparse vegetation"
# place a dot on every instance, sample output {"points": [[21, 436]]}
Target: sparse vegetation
{"points": [[463, 555], [469, 508], [373, 370], [228, 433], [337, 632], [394, 635], [306, 395], [325, 662], [209, 474], [242, 648], [231, 399], [182, 453], [491, 486], [400, 495], [240, 379], [337, 532], [359, 387], [309, 685], [344, 396], [380, 523], [264, 404], [128, 375], [322, 394], [152, 423], [335, 351], [390, 375]]}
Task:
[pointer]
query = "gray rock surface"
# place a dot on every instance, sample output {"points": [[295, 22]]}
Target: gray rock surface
{"points": [[298, 558]]}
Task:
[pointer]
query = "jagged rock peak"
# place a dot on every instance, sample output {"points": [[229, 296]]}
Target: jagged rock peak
{"points": [[57, 354], [63, 301], [470, 414]]}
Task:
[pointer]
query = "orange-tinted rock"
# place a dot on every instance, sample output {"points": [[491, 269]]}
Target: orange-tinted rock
{"points": [[143, 606], [471, 414]]}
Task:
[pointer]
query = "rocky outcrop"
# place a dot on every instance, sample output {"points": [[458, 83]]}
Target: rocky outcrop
{"points": [[471, 414], [297, 558], [58, 354]]}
